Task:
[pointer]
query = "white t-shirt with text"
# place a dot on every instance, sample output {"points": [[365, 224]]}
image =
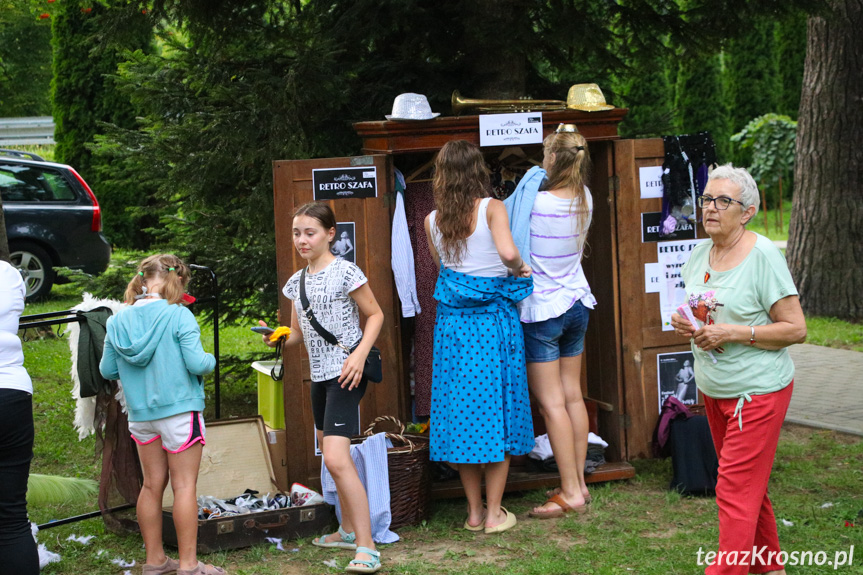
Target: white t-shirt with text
{"points": [[328, 292]]}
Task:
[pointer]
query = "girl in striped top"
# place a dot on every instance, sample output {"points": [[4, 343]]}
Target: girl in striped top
{"points": [[554, 317]]}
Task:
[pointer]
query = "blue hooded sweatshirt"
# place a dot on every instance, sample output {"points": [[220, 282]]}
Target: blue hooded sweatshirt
{"points": [[155, 349]]}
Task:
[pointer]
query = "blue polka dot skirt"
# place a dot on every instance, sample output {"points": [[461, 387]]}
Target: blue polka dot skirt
{"points": [[480, 408]]}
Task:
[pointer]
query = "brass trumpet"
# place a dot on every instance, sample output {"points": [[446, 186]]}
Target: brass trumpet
{"points": [[460, 105]]}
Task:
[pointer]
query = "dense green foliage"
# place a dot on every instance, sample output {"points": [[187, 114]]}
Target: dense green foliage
{"points": [[700, 100], [25, 62], [791, 55], [648, 92], [770, 141], [214, 114], [753, 75], [85, 95], [753, 84]]}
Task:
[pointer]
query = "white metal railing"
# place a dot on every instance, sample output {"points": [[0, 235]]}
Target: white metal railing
{"points": [[26, 131]]}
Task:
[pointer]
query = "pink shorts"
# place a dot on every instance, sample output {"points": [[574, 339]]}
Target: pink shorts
{"points": [[177, 432]]}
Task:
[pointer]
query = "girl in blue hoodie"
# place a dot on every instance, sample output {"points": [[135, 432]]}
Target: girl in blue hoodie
{"points": [[154, 347]]}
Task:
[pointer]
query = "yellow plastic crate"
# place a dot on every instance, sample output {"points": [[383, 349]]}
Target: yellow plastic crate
{"points": [[271, 401]]}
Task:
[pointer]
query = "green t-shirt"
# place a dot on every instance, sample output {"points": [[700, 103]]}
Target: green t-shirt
{"points": [[746, 292]]}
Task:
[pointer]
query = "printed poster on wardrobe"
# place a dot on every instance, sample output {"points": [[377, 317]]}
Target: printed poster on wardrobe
{"points": [[345, 183]]}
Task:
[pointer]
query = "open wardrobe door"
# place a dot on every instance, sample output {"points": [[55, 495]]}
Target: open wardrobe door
{"points": [[360, 192]]}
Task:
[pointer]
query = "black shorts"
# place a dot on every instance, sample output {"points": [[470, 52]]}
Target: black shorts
{"points": [[336, 410]]}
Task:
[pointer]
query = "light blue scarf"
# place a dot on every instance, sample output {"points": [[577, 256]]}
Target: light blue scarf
{"points": [[518, 208]]}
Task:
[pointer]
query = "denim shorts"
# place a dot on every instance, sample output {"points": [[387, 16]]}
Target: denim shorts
{"points": [[556, 337]]}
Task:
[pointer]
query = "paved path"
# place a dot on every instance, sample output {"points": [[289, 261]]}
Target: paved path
{"points": [[828, 388]]}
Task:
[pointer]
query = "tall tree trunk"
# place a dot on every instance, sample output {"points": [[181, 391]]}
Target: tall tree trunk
{"points": [[825, 243]]}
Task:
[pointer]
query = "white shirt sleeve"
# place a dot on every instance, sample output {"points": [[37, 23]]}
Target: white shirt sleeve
{"points": [[403, 261]]}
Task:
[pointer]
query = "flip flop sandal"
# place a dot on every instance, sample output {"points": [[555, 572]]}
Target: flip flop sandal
{"points": [[564, 509], [202, 569], [372, 565], [347, 541], [169, 566], [508, 523], [556, 491]]}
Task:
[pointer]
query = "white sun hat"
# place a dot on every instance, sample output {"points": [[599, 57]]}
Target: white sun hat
{"points": [[410, 106]]}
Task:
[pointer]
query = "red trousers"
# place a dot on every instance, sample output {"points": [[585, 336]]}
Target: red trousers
{"points": [[747, 526]]}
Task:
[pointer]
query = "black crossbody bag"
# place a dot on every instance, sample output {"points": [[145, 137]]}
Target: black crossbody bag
{"points": [[373, 369]]}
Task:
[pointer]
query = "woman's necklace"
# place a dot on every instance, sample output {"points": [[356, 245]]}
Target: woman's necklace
{"points": [[716, 258]]}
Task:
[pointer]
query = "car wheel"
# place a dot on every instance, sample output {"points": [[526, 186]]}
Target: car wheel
{"points": [[34, 263]]}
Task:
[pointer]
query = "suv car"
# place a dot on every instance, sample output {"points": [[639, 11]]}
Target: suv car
{"points": [[52, 219]]}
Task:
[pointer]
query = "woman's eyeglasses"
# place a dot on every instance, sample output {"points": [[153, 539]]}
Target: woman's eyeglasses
{"points": [[721, 203]]}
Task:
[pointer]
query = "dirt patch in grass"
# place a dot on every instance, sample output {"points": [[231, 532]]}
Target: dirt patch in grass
{"points": [[443, 552], [660, 534]]}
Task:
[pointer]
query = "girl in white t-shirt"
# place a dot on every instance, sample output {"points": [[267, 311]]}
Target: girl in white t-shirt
{"points": [[337, 291]]}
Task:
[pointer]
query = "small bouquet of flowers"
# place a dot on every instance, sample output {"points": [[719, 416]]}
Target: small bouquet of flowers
{"points": [[698, 311]]}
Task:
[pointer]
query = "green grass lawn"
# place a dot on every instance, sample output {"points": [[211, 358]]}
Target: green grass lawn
{"points": [[46, 151], [773, 230], [633, 527]]}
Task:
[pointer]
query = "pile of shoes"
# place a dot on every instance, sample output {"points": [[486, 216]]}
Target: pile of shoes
{"points": [[249, 502]]}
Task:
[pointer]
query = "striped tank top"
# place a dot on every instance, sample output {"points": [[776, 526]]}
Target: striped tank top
{"points": [[556, 246]]}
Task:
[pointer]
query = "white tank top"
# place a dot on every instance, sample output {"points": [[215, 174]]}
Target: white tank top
{"points": [[480, 256]]}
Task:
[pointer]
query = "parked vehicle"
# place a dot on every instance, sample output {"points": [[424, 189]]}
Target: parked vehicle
{"points": [[52, 219]]}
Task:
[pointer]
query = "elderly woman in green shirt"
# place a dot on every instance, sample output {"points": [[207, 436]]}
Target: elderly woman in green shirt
{"points": [[741, 291]]}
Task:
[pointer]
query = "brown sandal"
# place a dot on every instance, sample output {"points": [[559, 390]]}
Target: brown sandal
{"points": [[564, 509]]}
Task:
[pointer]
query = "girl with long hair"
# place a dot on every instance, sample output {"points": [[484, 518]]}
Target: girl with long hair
{"points": [[480, 411], [337, 291], [555, 214], [154, 347]]}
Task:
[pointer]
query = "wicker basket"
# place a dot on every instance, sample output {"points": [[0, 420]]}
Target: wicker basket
{"points": [[409, 471]]}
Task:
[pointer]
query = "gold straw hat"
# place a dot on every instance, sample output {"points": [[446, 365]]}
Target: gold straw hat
{"points": [[587, 98]]}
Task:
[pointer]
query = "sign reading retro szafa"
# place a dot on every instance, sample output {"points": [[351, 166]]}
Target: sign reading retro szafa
{"points": [[345, 183], [510, 129]]}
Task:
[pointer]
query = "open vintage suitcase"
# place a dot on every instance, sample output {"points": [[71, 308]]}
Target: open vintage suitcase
{"points": [[236, 457]]}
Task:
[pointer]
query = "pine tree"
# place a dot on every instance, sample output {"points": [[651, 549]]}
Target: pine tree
{"points": [[701, 100], [649, 94], [752, 79], [85, 96], [25, 62]]}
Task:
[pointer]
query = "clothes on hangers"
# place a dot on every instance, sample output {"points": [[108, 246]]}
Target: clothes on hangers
{"points": [[419, 202], [402, 260], [504, 178]]}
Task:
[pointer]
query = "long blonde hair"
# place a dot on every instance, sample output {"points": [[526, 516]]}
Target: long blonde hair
{"points": [[570, 170], [167, 267], [461, 177]]}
